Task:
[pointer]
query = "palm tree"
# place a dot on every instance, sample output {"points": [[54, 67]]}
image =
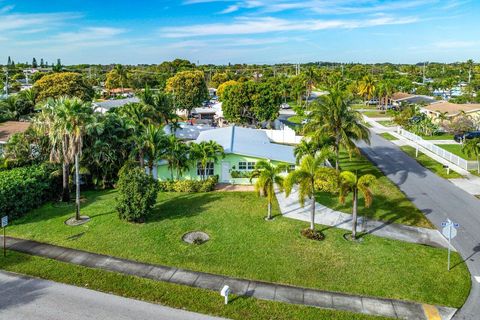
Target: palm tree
{"points": [[206, 152], [366, 87], [75, 116], [177, 155], [267, 176], [161, 103], [331, 116], [311, 147], [153, 143], [121, 75], [47, 123], [351, 183], [137, 116], [311, 176], [472, 148], [310, 78]]}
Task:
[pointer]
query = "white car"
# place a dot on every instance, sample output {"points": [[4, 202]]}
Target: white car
{"points": [[285, 106]]}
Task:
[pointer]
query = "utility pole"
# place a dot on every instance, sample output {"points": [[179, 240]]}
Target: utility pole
{"points": [[424, 73], [6, 80]]}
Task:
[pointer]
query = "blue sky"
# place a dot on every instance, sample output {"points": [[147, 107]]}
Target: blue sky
{"points": [[240, 31]]}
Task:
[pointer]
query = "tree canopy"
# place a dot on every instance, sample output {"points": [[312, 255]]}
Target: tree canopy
{"points": [[68, 84], [188, 88]]}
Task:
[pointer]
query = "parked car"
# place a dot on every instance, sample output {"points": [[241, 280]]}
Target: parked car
{"points": [[371, 102], [466, 136], [285, 106]]}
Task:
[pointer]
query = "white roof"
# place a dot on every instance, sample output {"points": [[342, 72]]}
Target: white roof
{"points": [[248, 142]]}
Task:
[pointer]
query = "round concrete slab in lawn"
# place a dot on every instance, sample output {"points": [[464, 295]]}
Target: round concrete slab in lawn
{"points": [[74, 222]]}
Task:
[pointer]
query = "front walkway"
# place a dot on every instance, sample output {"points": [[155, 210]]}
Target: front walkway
{"points": [[257, 289], [290, 207]]}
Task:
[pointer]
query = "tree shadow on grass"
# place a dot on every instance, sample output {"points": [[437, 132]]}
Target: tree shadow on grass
{"points": [[183, 205], [51, 210]]}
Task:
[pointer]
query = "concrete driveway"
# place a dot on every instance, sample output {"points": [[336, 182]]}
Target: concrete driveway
{"points": [[439, 199]]}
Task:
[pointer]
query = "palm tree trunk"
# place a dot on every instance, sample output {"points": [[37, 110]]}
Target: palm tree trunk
{"points": [[337, 156], [65, 182], [77, 184], [312, 213], [269, 217], [141, 159], [354, 213]]}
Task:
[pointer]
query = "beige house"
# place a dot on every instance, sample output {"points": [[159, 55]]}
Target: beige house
{"points": [[451, 110]]}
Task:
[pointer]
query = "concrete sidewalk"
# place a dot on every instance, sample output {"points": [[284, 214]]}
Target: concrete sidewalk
{"points": [[290, 207], [257, 289]]}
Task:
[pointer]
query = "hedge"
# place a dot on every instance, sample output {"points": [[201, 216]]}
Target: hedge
{"points": [[26, 188], [188, 185]]}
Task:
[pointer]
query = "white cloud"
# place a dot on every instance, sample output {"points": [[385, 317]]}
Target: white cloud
{"points": [[455, 44], [243, 26]]}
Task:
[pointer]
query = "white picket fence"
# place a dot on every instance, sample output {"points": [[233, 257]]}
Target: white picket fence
{"points": [[286, 136], [459, 161]]}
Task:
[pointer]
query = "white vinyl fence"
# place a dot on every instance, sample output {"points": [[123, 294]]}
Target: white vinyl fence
{"points": [[286, 135], [462, 163]]}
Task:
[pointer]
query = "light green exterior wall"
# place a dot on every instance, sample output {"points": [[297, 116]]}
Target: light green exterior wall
{"points": [[231, 161]]}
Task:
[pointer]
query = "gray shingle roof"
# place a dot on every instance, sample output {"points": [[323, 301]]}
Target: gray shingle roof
{"points": [[248, 142], [109, 104]]}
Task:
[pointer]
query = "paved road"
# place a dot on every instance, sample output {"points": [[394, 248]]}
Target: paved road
{"points": [[25, 298], [439, 199]]}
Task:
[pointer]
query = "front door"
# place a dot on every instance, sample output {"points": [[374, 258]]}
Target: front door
{"points": [[225, 172]]}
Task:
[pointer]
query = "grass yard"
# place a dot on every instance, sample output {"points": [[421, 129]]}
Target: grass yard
{"points": [[377, 113], [296, 119], [439, 136], [388, 136], [387, 123], [457, 150], [430, 164], [172, 295], [389, 203], [244, 245], [362, 106]]}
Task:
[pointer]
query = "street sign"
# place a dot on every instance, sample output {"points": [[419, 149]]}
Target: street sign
{"points": [[4, 221], [449, 231], [4, 224]]}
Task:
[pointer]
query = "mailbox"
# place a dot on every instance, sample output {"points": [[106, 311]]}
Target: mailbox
{"points": [[225, 292]]}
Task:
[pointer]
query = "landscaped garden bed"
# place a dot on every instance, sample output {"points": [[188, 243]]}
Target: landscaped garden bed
{"points": [[242, 244]]}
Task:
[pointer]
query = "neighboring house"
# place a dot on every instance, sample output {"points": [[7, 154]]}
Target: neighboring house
{"points": [[451, 110], [400, 98], [243, 149], [8, 129], [104, 106]]}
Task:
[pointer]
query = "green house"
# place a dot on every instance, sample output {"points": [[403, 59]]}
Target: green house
{"points": [[243, 149]]}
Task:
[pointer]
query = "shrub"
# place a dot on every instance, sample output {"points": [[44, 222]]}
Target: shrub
{"points": [[26, 188], [137, 194], [189, 186]]}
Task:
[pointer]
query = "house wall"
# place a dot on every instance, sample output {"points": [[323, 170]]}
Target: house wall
{"points": [[222, 168]]}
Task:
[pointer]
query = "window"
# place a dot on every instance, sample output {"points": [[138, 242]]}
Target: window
{"points": [[291, 167], [209, 170], [243, 165]]}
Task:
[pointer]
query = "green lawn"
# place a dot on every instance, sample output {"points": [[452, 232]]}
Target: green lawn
{"points": [[296, 119], [389, 204], [388, 136], [377, 113], [430, 164], [244, 245], [387, 123], [457, 150], [439, 136], [362, 106], [177, 296]]}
